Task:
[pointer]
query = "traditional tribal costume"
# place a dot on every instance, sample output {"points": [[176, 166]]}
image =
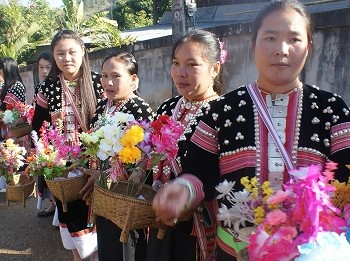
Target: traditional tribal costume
{"points": [[52, 104], [108, 234], [232, 141], [188, 240]]}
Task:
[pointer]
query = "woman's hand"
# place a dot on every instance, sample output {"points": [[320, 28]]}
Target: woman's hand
{"points": [[137, 177], [18, 122], [170, 203], [92, 176]]}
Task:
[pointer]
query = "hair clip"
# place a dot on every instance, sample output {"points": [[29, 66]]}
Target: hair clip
{"points": [[223, 53]]}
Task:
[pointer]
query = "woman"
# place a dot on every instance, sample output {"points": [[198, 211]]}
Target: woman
{"points": [[12, 90], [196, 73], [70, 93], [43, 63], [231, 141], [120, 83]]}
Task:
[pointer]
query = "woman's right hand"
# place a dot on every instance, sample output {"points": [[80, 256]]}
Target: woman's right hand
{"points": [[89, 186], [170, 203]]}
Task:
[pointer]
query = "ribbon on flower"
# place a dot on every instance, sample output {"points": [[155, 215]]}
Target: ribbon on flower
{"points": [[223, 53]]}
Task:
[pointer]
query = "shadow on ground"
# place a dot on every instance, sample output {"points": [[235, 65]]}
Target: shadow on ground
{"points": [[24, 236]]}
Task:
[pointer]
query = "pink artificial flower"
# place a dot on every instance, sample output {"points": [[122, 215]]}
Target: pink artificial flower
{"points": [[331, 165], [275, 217], [278, 197], [278, 247]]}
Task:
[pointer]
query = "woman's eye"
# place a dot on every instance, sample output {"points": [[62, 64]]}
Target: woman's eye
{"points": [[294, 40], [104, 76], [175, 63], [270, 38]]}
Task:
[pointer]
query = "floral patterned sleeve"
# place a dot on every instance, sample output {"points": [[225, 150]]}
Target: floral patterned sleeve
{"points": [[16, 93]]}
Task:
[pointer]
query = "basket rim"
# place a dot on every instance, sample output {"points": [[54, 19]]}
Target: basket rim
{"points": [[21, 126], [32, 180], [65, 179], [130, 198]]}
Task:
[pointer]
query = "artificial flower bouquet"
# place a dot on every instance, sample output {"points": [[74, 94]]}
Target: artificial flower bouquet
{"points": [[14, 112], [18, 185], [56, 160], [125, 146], [12, 157], [299, 222], [53, 155]]}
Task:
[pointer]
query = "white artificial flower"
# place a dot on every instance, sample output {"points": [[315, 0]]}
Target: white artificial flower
{"points": [[94, 138], [121, 117], [224, 188], [242, 196], [8, 117], [225, 215], [328, 246]]}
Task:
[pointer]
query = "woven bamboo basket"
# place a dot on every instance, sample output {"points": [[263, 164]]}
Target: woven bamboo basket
{"points": [[67, 190], [128, 213], [23, 187], [341, 197], [21, 130], [243, 255]]}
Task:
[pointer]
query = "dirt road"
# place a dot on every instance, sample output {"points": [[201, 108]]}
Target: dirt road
{"points": [[24, 236]]}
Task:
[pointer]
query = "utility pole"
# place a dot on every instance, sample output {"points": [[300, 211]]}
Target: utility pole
{"points": [[178, 27], [183, 20]]}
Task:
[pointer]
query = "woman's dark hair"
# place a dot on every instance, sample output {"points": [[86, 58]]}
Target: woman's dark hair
{"points": [[276, 5], [47, 56], [127, 59], [87, 92], [11, 74], [211, 51]]}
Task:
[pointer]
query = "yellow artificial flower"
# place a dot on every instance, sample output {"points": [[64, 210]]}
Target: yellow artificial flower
{"points": [[10, 142], [129, 154], [133, 136], [259, 214], [246, 183], [254, 182]]}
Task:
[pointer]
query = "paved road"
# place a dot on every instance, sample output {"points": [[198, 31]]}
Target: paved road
{"points": [[24, 236]]}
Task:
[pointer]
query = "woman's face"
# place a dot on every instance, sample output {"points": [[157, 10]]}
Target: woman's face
{"points": [[192, 74], [281, 48], [68, 55], [44, 67], [116, 80]]}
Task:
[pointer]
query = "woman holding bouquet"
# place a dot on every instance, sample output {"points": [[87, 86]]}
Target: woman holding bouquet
{"points": [[232, 141], [197, 59], [43, 64], [70, 93], [12, 90], [120, 83]]}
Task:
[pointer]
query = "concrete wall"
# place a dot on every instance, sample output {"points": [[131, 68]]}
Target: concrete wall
{"points": [[328, 67]]}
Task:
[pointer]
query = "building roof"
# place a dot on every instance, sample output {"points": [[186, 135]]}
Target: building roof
{"points": [[210, 17]]}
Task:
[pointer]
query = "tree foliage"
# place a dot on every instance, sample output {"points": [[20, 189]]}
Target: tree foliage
{"points": [[102, 31], [16, 32], [138, 13], [23, 28]]}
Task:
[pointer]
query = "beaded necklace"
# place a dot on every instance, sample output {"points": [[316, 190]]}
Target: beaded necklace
{"points": [[114, 106], [189, 112]]}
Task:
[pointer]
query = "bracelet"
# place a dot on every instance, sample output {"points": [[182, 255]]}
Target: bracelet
{"points": [[189, 186]]}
